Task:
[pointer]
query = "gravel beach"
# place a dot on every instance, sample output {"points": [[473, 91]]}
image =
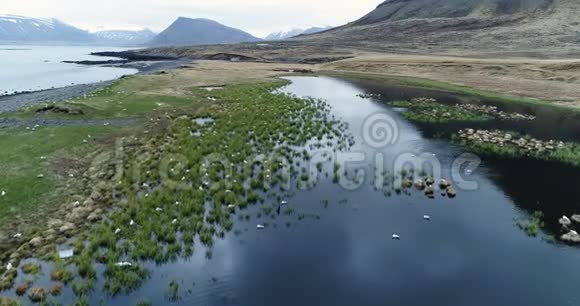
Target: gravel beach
{"points": [[12, 103]]}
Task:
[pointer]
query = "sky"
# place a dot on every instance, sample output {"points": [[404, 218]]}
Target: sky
{"points": [[258, 17]]}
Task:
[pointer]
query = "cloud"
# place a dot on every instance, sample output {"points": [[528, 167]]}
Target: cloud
{"points": [[258, 17]]}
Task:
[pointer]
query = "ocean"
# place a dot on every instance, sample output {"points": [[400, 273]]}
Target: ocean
{"points": [[33, 68]]}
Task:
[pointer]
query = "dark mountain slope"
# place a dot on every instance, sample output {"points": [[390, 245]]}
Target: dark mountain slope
{"points": [[189, 32], [474, 25]]}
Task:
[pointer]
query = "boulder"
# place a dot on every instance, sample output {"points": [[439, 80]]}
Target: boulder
{"points": [[444, 184], [419, 184], [451, 192], [78, 213], [565, 221], [576, 218], [429, 192], [36, 242], [571, 236], [93, 217], [67, 227], [89, 202], [55, 223]]}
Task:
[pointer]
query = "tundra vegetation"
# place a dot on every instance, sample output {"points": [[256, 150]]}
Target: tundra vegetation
{"points": [[514, 145], [197, 161]]}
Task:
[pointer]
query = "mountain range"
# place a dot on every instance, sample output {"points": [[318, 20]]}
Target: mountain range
{"points": [[124, 37], [24, 29], [184, 31], [295, 32]]}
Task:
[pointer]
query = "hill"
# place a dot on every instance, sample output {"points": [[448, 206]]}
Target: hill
{"points": [[493, 25], [189, 32]]}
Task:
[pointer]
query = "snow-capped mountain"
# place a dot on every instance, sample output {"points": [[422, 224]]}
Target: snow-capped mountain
{"points": [[295, 32], [33, 30], [124, 38]]}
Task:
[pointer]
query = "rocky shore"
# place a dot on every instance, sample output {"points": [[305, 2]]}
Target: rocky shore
{"points": [[15, 102], [494, 111], [569, 226]]}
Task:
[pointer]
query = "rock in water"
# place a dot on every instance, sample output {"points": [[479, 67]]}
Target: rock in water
{"points": [[571, 236], [451, 192], [419, 184], [565, 221], [444, 184], [429, 192], [576, 218]]}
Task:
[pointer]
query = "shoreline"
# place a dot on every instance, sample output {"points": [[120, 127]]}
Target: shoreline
{"points": [[442, 86], [14, 102]]}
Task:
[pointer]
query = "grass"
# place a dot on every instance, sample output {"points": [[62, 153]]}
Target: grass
{"points": [[568, 154], [451, 88], [26, 154], [172, 292], [164, 211], [5, 301], [533, 224], [31, 268], [134, 96]]}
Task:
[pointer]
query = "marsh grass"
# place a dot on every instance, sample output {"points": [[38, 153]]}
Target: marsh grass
{"points": [[172, 292], [247, 121], [533, 224], [438, 113], [31, 268], [569, 153]]}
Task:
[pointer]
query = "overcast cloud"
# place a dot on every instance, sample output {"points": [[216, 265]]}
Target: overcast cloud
{"points": [[258, 17]]}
